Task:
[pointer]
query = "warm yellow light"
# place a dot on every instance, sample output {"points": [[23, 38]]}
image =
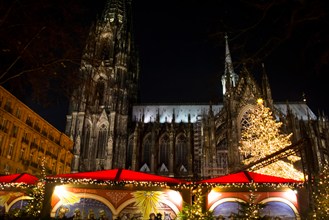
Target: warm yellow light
{"points": [[260, 101], [60, 191], [290, 195], [175, 196], [263, 137], [65, 196], [213, 196]]}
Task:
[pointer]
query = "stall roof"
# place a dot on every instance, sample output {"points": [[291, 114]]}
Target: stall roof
{"points": [[129, 175], [19, 178], [118, 175], [248, 177]]}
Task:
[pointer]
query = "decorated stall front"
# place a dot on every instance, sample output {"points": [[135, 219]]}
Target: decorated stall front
{"points": [[124, 194], [251, 195], [14, 190], [114, 194]]}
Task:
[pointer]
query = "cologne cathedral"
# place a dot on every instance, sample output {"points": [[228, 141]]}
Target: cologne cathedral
{"points": [[111, 129]]}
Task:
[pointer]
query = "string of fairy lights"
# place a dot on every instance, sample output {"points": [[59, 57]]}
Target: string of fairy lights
{"points": [[128, 184], [196, 210]]}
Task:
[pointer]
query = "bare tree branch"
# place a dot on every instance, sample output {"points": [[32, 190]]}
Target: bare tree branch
{"points": [[21, 53], [39, 69], [6, 14]]}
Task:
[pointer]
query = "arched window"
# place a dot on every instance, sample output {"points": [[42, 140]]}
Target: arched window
{"points": [[101, 142], [86, 141], [222, 156], [222, 160], [106, 46], [146, 151], [164, 151], [100, 90], [245, 120], [181, 151], [106, 52], [245, 123], [129, 152]]}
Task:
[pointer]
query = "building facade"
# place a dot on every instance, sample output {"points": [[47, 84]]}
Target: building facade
{"points": [[27, 141], [110, 129]]}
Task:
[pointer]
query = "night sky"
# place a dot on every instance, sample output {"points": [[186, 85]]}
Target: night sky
{"points": [[181, 46]]}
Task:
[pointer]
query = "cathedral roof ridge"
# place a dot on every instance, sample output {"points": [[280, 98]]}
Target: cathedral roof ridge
{"points": [[300, 109]]}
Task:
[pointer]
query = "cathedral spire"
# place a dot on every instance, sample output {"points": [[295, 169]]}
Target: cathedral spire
{"points": [[266, 90], [229, 74], [228, 59]]}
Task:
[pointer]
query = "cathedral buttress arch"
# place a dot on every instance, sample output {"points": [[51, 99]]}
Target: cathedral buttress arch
{"points": [[146, 151]]}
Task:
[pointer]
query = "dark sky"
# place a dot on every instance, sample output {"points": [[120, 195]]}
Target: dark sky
{"points": [[182, 48], [181, 45]]}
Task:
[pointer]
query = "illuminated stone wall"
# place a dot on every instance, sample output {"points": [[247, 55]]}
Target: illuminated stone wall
{"points": [[26, 138]]}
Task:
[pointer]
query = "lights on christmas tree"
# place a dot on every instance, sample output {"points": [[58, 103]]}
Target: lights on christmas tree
{"points": [[261, 137], [198, 208], [250, 210], [321, 194], [37, 195]]}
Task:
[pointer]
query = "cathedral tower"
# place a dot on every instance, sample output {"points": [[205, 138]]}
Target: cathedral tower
{"points": [[229, 78], [100, 108]]}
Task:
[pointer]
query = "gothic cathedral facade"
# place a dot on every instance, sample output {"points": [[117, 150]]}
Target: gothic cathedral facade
{"points": [[111, 129]]}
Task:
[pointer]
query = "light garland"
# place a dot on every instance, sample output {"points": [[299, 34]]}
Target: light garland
{"points": [[196, 210], [5, 186], [35, 193], [110, 183], [247, 186]]}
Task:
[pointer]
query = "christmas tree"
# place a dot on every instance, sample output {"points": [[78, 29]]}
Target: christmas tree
{"points": [[321, 195], [251, 209], [197, 209], [36, 194], [33, 205], [261, 136]]}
